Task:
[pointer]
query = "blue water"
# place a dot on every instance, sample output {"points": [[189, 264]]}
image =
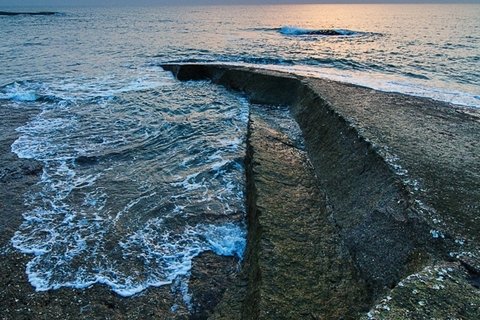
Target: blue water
{"points": [[136, 183], [141, 172]]}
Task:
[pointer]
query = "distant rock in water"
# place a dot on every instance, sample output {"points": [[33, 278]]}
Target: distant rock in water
{"points": [[41, 13], [295, 31]]}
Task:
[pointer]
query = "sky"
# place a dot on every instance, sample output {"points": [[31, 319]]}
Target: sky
{"points": [[30, 3]]}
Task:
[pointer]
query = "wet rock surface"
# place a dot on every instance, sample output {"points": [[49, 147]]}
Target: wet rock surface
{"points": [[16, 175], [400, 175], [433, 146], [209, 279], [303, 268], [440, 291]]}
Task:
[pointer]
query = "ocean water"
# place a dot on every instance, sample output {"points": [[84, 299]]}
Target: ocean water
{"points": [[141, 172]]}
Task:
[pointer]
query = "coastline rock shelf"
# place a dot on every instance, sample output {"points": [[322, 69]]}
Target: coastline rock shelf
{"points": [[370, 211]]}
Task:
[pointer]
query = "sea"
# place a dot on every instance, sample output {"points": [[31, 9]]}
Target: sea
{"points": [[141, 172]]}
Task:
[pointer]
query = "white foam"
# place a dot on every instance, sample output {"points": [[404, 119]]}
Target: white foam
{"points": [[110, 86], [389, 83], [291, 30], [131, 204], [190, 183], [176, 251], [35, 139], [226, 240], [216, 166], [70, 90], [21, 92]]}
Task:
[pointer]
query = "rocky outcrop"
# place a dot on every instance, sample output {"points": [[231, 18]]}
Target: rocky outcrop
{"points": [[361, 205], [400, 178], [40, 13]]}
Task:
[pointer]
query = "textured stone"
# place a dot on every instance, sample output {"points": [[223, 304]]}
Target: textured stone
{"points": [[402, 182]]}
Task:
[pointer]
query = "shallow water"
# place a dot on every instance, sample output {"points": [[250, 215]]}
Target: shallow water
{"points": [[141, 172], [134, 185]]}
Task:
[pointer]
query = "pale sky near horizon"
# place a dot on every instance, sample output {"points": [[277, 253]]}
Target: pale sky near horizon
{"points": [[38, 3]]}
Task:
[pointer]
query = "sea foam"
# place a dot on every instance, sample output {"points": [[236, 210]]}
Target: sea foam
{"points": [[131, 192], [18, 91]]}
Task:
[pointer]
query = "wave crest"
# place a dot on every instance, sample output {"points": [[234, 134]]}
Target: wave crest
{"points": [[18, 91]]}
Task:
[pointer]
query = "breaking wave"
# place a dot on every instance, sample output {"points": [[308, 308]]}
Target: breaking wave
{"points": [[296, 31]]}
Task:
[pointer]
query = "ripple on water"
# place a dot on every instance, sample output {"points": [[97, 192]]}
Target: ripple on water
{"points": [[134, 186]]}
